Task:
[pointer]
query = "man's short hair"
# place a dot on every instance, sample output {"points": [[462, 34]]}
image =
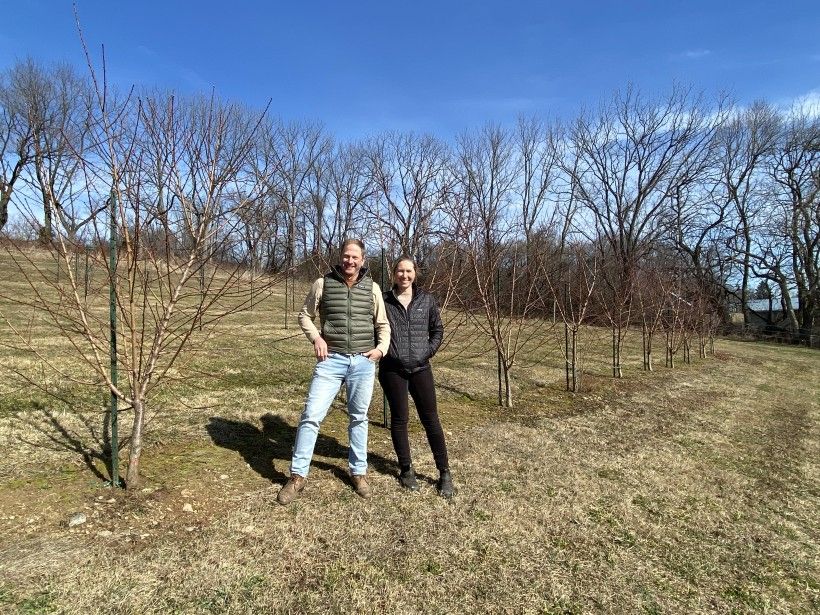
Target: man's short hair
{"points": [[353, 242]]}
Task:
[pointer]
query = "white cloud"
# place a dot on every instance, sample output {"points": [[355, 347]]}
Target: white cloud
{"points": [[808, 103], [693, 54]]}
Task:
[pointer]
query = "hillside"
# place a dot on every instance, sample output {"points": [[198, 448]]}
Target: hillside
{"points": [[694, 489]]}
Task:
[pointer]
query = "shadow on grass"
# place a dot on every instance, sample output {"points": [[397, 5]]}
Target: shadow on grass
{"points": [[59, 437], [268, 450]]}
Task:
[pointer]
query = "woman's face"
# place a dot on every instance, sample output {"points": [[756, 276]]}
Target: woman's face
{"points": [[404, 275]]}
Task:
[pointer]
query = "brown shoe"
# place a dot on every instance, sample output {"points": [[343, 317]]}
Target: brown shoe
{"points": [[360, 486], [291, 490]]}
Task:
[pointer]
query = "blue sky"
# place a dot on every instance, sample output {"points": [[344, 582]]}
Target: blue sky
{"points": [[362, 66]]}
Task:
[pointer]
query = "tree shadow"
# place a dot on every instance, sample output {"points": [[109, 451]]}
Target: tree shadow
{"points": [[268, 450], [60, 438]]}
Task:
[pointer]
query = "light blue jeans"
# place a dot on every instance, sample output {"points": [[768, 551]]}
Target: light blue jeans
{"points": [[358, 372]]}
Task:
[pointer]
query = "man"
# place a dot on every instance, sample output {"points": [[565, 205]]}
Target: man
{"points": [[351, 310]]}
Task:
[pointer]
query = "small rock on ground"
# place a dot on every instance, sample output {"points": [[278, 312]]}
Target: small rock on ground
{"points": [[77, 519]]}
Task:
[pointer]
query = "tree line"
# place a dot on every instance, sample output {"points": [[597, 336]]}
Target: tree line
{"points": [[652, 212]]}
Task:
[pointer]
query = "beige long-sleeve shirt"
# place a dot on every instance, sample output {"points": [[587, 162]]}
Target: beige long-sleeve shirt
{"points": [[310, 309]]}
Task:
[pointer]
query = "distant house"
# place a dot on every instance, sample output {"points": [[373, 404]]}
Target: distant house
{"points": [[764, 314]]}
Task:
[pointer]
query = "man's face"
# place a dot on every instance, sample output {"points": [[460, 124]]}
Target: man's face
{"points": [[352, 261]]}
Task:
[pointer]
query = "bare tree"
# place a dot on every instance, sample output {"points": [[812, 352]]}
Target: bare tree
{"points": [[317, 201], [412, 176], [538, 151], [573, 284], [54, 106], [628, 163], [652, 303], [351, 189], [742, 144], [788, 250], [499, 291], [297, 150], [172, 170], [699, 229], [16, 134]]}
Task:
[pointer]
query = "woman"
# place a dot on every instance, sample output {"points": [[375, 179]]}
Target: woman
{"points": [[416, 334]]}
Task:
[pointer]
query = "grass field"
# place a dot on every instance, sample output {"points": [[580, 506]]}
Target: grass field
{"points": [[679, 491]]}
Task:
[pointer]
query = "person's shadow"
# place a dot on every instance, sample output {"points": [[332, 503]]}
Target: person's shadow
{"points": [[268, 450]]}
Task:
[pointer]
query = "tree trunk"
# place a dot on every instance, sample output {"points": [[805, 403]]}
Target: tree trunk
{"points": [[574, 362], [787, 299], [132, 477], [744, 289], [647, 348], [507, 387], [571, 357], [4, 209], [47, 230], [566, 353], [617, 347], [500, 377], [287, 273]]}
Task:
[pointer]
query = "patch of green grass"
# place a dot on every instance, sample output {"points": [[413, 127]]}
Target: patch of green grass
{"points": [[6, 595], [649, 604], [610, 473], [649, 506], [481, 515], [253, 584], [601, 512], [334, 576], [563, 607], [745, 597], [43, 602], [11, 404], [432, 567], [218, 600], [625, 539], [44, 480]]}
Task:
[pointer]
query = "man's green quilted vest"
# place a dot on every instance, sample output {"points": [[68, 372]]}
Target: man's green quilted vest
{"points": [[347, 314]]}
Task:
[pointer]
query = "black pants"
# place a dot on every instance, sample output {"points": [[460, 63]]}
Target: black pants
{"points": [[421, 387]]}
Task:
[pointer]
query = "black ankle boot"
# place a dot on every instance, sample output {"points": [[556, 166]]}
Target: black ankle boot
{"points": [[445, 484], [407, 479]]}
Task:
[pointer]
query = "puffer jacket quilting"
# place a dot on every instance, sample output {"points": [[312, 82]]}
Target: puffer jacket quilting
{"points": [[347, 313], [416, 332]]}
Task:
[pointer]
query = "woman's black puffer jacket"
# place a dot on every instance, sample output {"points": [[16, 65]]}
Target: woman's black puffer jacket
{"points": [[415, 332]]}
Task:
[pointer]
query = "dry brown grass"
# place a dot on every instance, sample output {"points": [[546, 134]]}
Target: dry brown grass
{"points": [[686, 490]]}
